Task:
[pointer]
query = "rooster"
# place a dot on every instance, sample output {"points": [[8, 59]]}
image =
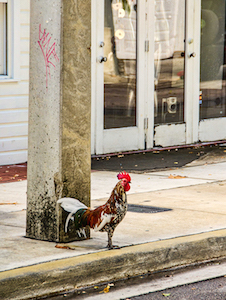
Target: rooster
{"points": [[105, 217]]}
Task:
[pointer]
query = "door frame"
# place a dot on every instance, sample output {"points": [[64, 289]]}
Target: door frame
{"points": [[126, 138], [146, 135], [184, 132]]}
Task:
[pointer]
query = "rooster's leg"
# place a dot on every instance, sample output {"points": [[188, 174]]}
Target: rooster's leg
{"points": [[110, 234]]}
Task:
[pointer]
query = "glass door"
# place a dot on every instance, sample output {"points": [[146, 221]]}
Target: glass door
{"points": [[120, 64], [176, 71], [153, 82], [169, 72], [118, 94], [212, 71]]}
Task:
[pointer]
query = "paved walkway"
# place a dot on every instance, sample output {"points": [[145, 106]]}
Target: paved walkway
{"points": [[195, 194]]}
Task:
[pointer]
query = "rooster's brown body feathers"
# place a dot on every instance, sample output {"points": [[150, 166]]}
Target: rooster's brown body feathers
{"points": [[103, 218]]}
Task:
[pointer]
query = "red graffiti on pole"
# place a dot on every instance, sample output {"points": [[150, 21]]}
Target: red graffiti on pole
{"points": [[47, 51]]}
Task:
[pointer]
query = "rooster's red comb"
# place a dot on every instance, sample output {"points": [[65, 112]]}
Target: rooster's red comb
{"points": [[125, 175]]}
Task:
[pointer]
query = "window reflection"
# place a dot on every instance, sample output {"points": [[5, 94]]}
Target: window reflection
{"points": [[169, 61], [120, 67], [213, 60]]}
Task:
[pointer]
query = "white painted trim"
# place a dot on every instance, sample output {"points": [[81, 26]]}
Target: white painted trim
{"points": [[192, 69], [212, 129], [170, 135], [141, 81], [120, 139], [149, 106], [13, 157], [99, 83]]}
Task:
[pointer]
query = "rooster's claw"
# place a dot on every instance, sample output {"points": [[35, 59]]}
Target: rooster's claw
{"points": [[113, 247]]}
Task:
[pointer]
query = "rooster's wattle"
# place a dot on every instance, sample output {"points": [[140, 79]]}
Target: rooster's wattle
{"points": [[103, 218]]}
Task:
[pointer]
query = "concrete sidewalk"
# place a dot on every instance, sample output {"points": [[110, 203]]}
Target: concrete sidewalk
{"points": [[193, 230]]}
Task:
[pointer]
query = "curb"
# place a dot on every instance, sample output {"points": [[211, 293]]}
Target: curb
{"points": [[71, 273]]}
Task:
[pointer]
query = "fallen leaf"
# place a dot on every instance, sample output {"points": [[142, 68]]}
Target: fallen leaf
{"points": [[96, 287], [193, 288], [176, 163], [8, 203], [16, 175], [176, 176], [105, 290], [166, 295], [63, 247]]}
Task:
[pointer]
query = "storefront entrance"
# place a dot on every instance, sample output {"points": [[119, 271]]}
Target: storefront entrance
{"points": [[157, 80]]}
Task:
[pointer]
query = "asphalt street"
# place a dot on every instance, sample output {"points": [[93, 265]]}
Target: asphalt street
{"points": [[214, 289]]}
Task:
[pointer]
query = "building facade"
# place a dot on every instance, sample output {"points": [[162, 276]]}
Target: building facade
{"points": [[158, 75], [14, 80]]}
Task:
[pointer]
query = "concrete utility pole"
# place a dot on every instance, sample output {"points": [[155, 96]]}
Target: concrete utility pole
{"points": [[59, 161]]}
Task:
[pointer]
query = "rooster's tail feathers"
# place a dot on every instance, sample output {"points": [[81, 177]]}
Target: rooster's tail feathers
{"points": [[71, 204], [76, 208]]}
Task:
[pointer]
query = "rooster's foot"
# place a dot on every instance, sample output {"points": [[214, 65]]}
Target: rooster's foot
{"points": [[110, 247]]}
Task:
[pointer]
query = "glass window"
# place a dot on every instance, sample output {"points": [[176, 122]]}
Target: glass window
{"points": [[213, 60], [120, 68], [169, 61], [3, 37]]}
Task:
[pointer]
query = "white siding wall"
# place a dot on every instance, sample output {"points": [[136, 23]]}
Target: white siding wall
{"points": [[14, 100]]}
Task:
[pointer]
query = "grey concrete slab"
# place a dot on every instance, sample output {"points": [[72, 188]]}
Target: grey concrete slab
{"points": [[13, 194], [102, 182], [89, 270], [208, 197], [197, 203], [204, 172], [190, 215]]}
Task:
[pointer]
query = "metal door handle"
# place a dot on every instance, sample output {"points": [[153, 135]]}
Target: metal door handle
{"points": [[102, 59]]}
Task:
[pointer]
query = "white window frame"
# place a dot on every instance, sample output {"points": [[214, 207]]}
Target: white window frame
{"points": [[13, 41]]}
